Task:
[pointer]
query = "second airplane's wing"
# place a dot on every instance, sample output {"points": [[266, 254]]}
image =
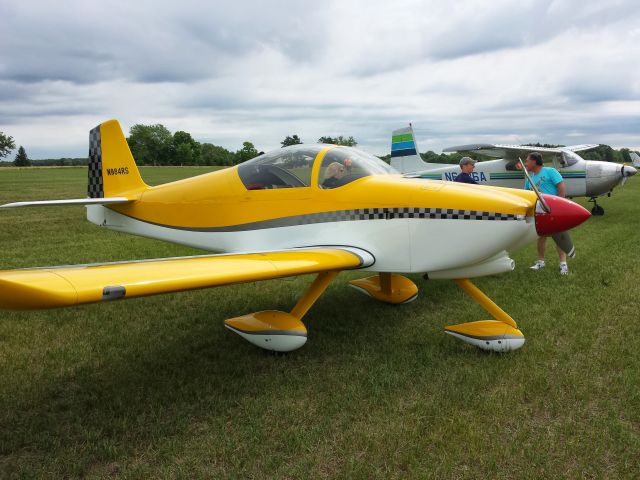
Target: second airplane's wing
{"points": [[508, 152], [582, 148], [512, 152], [52, 287]]}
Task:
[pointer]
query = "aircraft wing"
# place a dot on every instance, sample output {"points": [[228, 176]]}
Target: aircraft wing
{"points": [[582, 148], [50, 287], [499, 150], [512, 152]]}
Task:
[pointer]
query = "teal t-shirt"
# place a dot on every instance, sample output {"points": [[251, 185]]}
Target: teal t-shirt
{"points": [[546, 180]]}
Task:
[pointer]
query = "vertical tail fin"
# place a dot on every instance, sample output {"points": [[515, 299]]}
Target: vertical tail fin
{"points": [[112, 170], [404, 151], [635, 159]]}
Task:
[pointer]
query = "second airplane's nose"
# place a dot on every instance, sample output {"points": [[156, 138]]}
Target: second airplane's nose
{"points": [[563, 215]]}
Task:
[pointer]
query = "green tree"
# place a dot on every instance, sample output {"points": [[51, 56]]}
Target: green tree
{"points": [[624, 154], [215, 155], [151, 144], [6, 145], [433, 157], [247, 152], [187, 150], [291, 140], [340, 140], [21, 158]]}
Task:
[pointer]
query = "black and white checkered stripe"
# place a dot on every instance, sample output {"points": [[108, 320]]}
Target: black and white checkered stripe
{"points": [[360, 214], [95, 188], [404, 212]]}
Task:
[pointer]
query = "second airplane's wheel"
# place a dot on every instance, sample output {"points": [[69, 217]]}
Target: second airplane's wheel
{"points": [[597, 211]]}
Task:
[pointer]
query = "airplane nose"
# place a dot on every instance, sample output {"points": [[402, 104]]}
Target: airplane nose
{"points": [[628, 171], [563, 215]]}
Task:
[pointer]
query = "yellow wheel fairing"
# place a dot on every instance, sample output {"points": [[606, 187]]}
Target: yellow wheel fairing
{"points": [[490, 335], [270, 329], [387, 287], [268, 322]]}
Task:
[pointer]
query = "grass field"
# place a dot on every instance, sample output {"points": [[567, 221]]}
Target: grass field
{"points": [[157, 387]]}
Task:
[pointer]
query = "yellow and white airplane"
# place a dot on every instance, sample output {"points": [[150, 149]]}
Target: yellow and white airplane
{"points": [[306, 209]]}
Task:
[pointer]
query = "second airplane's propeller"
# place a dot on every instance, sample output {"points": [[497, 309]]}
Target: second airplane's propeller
{"points": [[627, 171], [562, 239]]}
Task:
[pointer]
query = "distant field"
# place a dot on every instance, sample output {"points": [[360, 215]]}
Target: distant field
{"points": [[158, 388]]}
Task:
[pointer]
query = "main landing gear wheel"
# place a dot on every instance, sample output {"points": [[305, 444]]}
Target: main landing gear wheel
{"points": [[597, 210]]}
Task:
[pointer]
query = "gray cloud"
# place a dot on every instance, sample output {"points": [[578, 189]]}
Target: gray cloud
{"points": [[534, 70]]}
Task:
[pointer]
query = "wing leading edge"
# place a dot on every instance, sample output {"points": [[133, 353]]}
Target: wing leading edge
{"points": [[500, 150], [52, 287]]}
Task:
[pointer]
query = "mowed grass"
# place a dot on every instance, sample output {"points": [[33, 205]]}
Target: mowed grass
{"points": [[157, 387]]}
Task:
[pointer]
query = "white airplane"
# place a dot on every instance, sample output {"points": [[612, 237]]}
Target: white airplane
{"points": [[305, 209], [583, 178], [635, 159]]}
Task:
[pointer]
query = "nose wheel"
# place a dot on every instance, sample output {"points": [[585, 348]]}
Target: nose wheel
{"points": [[597, 210]]}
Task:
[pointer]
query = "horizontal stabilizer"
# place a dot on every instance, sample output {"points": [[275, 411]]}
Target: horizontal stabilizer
{"points": [[70, 201]]}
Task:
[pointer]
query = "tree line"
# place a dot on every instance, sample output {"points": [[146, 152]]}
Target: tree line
{"points": [[156, 145]]}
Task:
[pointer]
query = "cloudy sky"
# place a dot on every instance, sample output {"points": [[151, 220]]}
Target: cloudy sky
{"points": [[562, 71]]}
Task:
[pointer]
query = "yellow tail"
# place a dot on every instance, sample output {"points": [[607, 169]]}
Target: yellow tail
{"points": [[112, 170]]}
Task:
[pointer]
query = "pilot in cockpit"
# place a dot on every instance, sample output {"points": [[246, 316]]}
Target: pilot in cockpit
{"points": [[333, 175]]}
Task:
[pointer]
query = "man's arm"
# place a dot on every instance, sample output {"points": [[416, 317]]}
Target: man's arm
{"points": [[558, 181]]}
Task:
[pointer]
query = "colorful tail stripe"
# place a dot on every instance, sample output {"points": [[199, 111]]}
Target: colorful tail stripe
{"points": [[402, 143]]}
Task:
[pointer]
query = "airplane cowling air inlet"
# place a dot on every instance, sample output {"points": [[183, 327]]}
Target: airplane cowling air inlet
{"points": [[300, 210]]}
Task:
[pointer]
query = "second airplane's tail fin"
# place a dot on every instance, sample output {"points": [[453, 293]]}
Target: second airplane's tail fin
{"points": [[404, 152], [635, 159]]}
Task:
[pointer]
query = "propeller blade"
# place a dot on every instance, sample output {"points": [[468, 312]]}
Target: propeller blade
{"points": [[543, 204], [627, 171], [563, 240]]}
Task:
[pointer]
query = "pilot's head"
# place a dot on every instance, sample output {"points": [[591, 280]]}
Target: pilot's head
{"points": [[335, 170]]}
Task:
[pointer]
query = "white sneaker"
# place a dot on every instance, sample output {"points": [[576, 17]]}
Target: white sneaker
{"points": [[538, 265], [564, 269]]}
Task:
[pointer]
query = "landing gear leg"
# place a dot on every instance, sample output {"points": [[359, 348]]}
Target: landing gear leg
{"points": [[499, 335], [597, 210]]}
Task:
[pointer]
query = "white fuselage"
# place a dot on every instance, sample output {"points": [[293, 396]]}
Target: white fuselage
{"points": [[585, 178], [398, 244]]}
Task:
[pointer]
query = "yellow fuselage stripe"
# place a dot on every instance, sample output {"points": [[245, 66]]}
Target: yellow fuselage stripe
{"points": [[219, 199]]}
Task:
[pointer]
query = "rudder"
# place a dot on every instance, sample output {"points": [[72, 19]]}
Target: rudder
{"points": [[112, 169]]}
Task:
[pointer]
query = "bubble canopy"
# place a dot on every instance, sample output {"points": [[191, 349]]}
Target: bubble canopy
{"points": [[293, 167]]}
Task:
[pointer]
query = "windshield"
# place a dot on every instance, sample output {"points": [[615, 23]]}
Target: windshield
{"points": [[341, 166], [288, 167], [569, 158]]}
